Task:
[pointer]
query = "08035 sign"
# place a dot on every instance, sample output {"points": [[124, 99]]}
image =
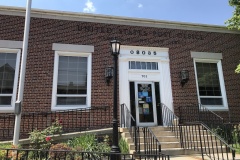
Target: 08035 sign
{"points": [[138, 52]]}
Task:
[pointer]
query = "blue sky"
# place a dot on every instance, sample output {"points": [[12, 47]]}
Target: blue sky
{"points": [[214, 12]]}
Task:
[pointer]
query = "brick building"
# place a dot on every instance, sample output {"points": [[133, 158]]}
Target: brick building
{"points": [[69, 52]]}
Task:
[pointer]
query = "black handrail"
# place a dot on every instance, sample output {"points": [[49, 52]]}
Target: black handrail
{"points": [[29, 154], [196, 135], [170, 119], [74, 120], [129, 122], [199, 137], [150, 142], [230, 132], [200, 113]]}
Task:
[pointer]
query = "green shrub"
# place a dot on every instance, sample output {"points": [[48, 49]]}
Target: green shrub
{"points": [[11, 154], [43, 139], [123, 145], [4, 152], [89, 143], [53, 154]]}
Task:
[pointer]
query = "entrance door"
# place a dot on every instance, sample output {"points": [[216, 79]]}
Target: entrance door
{"points": [[145, 104]]}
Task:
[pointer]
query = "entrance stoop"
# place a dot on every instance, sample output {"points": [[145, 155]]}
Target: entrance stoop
{"points": [[170, 145]]}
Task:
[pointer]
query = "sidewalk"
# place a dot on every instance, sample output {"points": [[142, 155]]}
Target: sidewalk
{"points": [[197, 157]]}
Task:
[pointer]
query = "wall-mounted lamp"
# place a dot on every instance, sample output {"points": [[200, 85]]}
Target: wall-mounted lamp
{"points": [[108, 74], [184, 75]]}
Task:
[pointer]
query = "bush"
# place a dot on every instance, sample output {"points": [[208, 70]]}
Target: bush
{"points": [[4, 152], [89, 143], [54, 154], [11, 153], [43, 139], [123, 145]]}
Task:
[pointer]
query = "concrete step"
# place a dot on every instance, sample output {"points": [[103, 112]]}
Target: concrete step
{"points": [[210, 150], [164, 145], [160, 138], [174, 152], [198, 143], [178, 151], [157, 134]]}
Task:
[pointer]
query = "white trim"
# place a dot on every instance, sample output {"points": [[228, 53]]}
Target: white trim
{"points": [[72, 48], [10, 108], [97, 18], [55, 77], [221, 81], [162, 75], [11, 44], [154, 106], [206, 55]]}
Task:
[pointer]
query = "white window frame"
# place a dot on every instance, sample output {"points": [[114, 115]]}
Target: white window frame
{"points": [[10, 108], [223, 107], [54, 105]]}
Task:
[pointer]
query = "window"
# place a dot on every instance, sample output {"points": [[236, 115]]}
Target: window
{"points": [[143, 65], [71, 81], [9, 68], [210, 84]]}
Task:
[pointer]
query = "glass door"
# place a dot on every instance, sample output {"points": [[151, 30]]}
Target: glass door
{"points": [[145, 104]]}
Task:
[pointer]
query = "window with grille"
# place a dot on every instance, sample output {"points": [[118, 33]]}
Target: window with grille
{"points": [[143, 65], [210, 83], [72, 74], [9, 66]]}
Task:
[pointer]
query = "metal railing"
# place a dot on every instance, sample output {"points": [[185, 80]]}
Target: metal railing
{"points": [[197, 136], [230, 132], [170, 119], [144, 139], [129, 122], [74, 120], [30, 154], [150, 142], [199, 113]]}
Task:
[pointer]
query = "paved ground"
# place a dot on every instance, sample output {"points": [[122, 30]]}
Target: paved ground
{"points": [[198, 157]]}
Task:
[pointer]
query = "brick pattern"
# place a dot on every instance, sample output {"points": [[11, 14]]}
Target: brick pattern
{"points": [[44, 32]]}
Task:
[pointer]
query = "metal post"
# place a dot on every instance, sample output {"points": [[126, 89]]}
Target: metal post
{"points": [[22, 71], [115, 147]]}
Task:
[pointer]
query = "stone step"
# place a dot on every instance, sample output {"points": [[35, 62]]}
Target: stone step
{"points": [[161, 128], [207, 138], [178, 151], [163, 145], [174, 152], [157, 134], [161, 139]]}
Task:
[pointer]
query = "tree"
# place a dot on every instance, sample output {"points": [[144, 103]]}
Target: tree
{"points": [[234, 22], [237, 70]]}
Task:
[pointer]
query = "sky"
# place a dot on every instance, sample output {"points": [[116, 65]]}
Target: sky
{"points": [[212, 12]]}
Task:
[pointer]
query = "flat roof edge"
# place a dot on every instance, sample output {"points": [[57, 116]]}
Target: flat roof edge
{"points": [[86, 17]]}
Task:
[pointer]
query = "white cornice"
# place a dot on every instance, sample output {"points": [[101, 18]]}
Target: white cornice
{"points": [[85, 17]]}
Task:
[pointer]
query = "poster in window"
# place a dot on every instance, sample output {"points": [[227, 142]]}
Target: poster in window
{"points": [[140, 95], [145, 94], [146, 109], [149, 99]]}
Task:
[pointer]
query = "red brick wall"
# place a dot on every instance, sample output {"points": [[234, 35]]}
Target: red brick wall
{"points": [[44, 32]]}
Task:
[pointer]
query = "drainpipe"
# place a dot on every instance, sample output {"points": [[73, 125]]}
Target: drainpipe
{"points": [[22, 73]]}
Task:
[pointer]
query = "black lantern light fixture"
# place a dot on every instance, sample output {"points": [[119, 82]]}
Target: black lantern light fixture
{"points": [[115, 49], [184, 75], [108, 74]]}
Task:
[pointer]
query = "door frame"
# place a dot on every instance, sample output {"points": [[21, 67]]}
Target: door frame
{"points": [[142, 124], [162, 75]]}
